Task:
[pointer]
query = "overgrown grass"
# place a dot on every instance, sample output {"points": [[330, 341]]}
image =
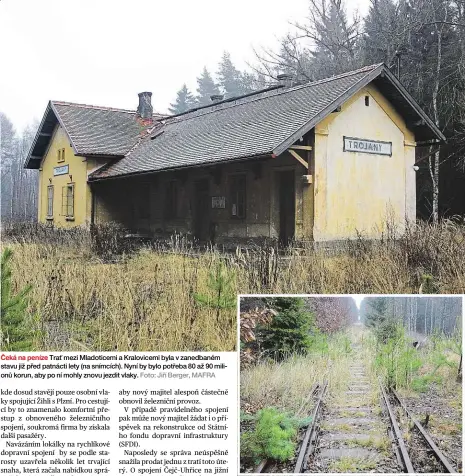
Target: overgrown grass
{"points": [[382, 444], [95, 291], [348, 464], [404, 367], [287, 384], [145, 301]]}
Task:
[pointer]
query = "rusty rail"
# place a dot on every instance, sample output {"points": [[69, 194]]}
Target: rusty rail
{"points": [[436, 451], [310, 435], [264, 464], [405, 458]]}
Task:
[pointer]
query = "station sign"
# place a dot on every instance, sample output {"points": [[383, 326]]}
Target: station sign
{"points": [[62, 170], [366, 146]]}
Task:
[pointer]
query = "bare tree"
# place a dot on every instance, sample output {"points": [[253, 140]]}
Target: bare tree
{"points": [[19, 186], [325, 44]]}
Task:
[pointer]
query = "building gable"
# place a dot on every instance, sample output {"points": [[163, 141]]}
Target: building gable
{"points": [[363, 188]]}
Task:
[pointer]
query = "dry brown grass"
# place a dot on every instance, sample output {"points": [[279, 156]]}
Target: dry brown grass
{"points": [[143, 302], [426, 258], [87, 295], [287, 384]]}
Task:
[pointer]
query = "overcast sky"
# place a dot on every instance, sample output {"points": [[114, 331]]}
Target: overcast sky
{"points": [[104, 52]]}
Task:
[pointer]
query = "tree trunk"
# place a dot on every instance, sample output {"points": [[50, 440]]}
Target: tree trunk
{"points": [[434, 163]]}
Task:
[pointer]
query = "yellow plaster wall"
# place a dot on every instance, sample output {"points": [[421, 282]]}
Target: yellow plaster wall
{"points": [[357, 191], [77, 170]]}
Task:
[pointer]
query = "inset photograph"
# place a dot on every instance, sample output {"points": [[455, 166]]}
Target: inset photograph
{"points": [[350, 384]]}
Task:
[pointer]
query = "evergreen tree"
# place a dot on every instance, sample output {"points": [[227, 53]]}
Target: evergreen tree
{"points": [[290, 331], [250, 83], [206, 88], [184, 101], [230, 78], [380, 318], [375, 311], [221, 294], [336, 39], [385, 31], [14, 335]]}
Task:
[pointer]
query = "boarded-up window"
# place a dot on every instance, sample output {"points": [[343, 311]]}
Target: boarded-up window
{"points": [[67, 200], [50, 201], [238, 199], [171, 199]]}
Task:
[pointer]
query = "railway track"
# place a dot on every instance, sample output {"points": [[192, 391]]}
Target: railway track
{"points": [[419, 454], [412, 446], [310, 435]]}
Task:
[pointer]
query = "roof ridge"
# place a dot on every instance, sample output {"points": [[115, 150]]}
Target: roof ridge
{"points": [[92, 106], [275, 92], [364, 69]]}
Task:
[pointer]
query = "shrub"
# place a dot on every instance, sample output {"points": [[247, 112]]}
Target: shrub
{"points": [[291, 330], [14, 334], [397, 357], [108, 240], [406, 367], [273, 437]]}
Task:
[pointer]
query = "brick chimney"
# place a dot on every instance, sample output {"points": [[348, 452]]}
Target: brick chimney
{"points": [[285, 79], [145, 109], [216, 97]]}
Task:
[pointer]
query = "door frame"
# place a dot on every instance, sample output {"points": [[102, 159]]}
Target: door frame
{"points": [[275, 211]]}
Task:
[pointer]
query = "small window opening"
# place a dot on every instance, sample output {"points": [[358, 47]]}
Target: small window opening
{"points": [[367, 100], [142, 202], [61, 155], [238, 200]]}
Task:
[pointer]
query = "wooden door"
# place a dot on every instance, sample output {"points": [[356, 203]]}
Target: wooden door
{"points": [[202, 208], [286, 187]]}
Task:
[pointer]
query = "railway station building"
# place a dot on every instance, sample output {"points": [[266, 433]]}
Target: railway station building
{"points": [[319, 161]]}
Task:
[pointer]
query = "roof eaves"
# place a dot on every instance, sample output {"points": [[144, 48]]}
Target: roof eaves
{"points": [[34, 142], [94, 176], [362, 82], [409, 98], [62, 124]]}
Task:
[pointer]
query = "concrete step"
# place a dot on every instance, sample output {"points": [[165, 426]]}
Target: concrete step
{"points": [[338, 436], [358, 453], [352, 421], [352, 409], [352, 413]]}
